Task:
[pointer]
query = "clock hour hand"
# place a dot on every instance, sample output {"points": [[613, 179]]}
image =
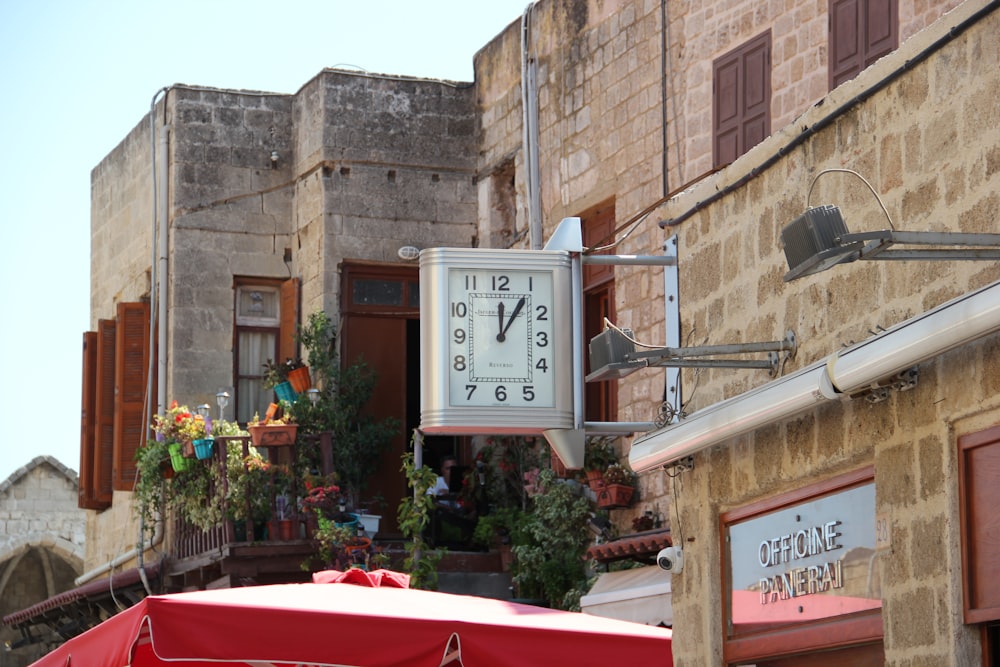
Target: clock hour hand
{"points": [[502, 336], [500, 328]]}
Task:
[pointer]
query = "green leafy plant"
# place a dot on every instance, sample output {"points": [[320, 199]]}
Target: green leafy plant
{"points": [[358, 439], [598, 454], [414, 517], [276, 373], [619, 474], [151, 490], [550, 564]]}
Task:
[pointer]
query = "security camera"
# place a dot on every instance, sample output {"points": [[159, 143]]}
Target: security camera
{"points": [[671, 559]]}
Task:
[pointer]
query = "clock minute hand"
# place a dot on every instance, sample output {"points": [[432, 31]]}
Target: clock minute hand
{"points": [[510, 321]]}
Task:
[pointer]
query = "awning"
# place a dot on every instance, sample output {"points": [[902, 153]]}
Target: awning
{"points": [[640, 595]]}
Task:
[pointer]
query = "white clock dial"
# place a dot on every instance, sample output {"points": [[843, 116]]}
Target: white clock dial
{"points": [[501, 337]]}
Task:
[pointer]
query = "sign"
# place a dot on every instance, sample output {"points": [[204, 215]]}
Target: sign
{"points": [[804, 562]]}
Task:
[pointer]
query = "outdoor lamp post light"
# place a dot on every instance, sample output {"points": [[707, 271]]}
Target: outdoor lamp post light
{"points": [[204, 409], [313, 394], [222, 398]]}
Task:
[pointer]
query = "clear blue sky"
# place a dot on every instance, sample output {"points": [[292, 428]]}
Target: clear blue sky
{"points": [[77, 75]]}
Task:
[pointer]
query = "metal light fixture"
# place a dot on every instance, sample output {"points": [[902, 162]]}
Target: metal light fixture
{"points": [[313, 394], [222, 398], [204, 409], [819, 239], [613, 355]]}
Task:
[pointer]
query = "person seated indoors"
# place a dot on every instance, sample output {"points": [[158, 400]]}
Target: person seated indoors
{"points": [[453, 522], [443, 486]]}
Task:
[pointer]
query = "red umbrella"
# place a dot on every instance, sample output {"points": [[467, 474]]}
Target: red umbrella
{"points": [[369, 625]]}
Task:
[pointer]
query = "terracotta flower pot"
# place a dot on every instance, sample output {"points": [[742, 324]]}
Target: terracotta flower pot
{"points": [[615, 495], [299, 379], [274, 435]]}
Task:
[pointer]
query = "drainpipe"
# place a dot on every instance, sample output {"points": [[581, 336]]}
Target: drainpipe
{"points": [[529, 123], [854, 369]]}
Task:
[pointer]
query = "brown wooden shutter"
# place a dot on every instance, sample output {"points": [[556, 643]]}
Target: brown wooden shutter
{"points": [[881, 29], [104, 411], [287, 348], [598, 228], [861, 32], [741, 91], [131, 371], [979, 496], [88, 426]]}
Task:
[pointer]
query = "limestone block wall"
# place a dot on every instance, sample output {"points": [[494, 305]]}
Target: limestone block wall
{"points": [[928, 143], [121, 223], [42, 540]]}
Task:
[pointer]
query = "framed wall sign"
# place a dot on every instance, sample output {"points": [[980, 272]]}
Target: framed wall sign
{"points": [[496, 341]]}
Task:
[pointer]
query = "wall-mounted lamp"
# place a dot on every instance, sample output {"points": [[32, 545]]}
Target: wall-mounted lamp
{"points": [[274, 159], [819, 239], [408, 252], [222, 398]]}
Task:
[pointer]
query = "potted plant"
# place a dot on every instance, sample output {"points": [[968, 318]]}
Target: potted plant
{"points": [[551, 541], [178, 427], [277, 429], [598, 455], [250, 493], [342, 393], [619, 485], [276, 378]]}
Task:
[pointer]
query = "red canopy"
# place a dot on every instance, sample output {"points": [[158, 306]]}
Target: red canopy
{"points": [[365, 626]]}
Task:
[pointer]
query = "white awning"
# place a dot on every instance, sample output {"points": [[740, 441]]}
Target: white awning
{"points": [[640, 595]]}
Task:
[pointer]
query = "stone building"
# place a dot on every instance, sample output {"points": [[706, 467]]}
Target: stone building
{"points": [[823, 513], [42, 535]]}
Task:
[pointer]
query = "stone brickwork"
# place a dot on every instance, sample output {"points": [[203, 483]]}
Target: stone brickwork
{"points": [[349, 168], [927, 144], [42, 536]]}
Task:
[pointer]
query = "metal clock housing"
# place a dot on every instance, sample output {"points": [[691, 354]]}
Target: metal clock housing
{"points": [[496, 350]]}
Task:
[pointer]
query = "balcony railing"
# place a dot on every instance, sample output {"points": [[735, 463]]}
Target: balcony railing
{"points": [[191, 541]]}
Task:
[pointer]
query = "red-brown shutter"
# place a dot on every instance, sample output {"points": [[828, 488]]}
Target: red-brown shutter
{"points": [[979, 495], [861, 32], [598, 228], [741, 85], [881, 29], [287, 348], [104, 411], [88, 425], [131, 371]]}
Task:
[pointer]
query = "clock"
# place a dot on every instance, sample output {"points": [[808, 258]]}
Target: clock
{"points": [[496, 340]]}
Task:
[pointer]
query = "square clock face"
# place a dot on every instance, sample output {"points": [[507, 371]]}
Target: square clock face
{"points": [[496, 341], [500, 329]]}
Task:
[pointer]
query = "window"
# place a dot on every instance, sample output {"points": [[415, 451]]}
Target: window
{"points": [[112, 428], [266, 319], [600, 398], [861, 32], [741, 91]]}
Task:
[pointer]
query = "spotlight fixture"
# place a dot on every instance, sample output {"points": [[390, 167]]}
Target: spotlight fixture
{"points": [[819, 239]]}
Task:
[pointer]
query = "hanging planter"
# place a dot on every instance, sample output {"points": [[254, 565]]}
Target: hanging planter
{"points": [[285, 392], [179, 462], [299, 379], [273, 435], [615, 495], [203, 447]]}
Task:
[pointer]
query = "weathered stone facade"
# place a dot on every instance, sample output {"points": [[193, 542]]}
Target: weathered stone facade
{"points": [[42, 535]]}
